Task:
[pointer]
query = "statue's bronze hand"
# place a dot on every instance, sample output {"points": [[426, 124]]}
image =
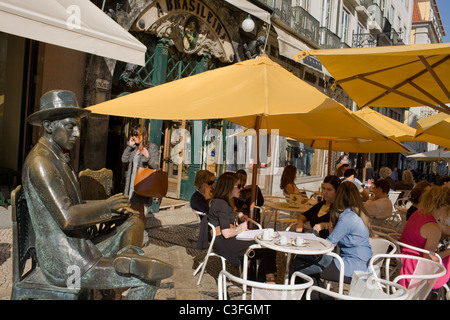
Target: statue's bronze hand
{"points": [[117, 202]]}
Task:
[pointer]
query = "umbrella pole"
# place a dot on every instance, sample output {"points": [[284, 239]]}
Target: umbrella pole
{"points": [[364, 167], [329, 156], [255, 168]]}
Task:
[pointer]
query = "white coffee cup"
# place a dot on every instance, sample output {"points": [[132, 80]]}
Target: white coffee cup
{"points": [[299, 241], [266, 235], [283, 240], [271, 231]]}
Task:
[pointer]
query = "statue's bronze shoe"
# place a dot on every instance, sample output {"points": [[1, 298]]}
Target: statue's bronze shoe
{"points": [[142, 267]]}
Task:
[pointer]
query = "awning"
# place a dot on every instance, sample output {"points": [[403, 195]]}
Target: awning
{"points": [[251, 9], [78, 25], [289, 46]]}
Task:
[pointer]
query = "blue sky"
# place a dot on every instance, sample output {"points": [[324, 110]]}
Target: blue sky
{"points": [[444, 10]]}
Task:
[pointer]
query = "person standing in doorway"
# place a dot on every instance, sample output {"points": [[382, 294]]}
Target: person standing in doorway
{"points": [[139, 153]]}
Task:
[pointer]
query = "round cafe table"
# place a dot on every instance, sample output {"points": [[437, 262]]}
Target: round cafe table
{"points": [[313, 245]]}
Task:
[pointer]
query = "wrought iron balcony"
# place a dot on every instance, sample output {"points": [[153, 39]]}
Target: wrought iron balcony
{"points": [[376, 40], [296, 17], [328, 39]]}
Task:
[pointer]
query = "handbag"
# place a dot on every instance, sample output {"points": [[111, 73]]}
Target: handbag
{"points": [[151, 182]]}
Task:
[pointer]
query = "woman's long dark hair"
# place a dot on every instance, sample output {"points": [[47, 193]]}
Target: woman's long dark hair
{"points": [[145, 141], [333, 180], [288, 176], [224, 187]]}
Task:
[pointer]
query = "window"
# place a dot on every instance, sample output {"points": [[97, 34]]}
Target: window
{"points": [[326, 13], [391, 15], [359, 40], [344, 26]]}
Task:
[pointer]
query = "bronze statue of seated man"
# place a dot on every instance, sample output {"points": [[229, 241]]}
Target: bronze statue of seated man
{"points": [[60, 218]]}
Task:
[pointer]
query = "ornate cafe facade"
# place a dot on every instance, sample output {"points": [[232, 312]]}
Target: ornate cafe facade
{"points": [[183, 38]]}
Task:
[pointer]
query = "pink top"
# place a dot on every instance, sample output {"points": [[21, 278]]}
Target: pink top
{"points": [[411, 235]]}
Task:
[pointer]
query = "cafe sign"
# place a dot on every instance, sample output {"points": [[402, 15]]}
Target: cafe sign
{"points": [[191, 24]]}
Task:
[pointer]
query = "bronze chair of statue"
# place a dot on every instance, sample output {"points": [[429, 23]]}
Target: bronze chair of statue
{"points": [[97, 185], [28, 280]]}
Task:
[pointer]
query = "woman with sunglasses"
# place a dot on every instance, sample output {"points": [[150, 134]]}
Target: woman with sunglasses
{"points": [[139, 153], [223, 215], [204, 182]]}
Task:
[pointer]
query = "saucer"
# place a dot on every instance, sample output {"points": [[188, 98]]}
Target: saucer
{"points": [[304, 244], [260, 237]]}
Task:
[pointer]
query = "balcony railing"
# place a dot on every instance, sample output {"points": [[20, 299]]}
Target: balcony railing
{"points": [[328, 39], [305, 24], [380, 39], [296, 17], [375, 12]]}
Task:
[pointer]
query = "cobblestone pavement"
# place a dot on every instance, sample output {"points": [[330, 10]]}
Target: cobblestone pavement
{"points": [[173, 237]]}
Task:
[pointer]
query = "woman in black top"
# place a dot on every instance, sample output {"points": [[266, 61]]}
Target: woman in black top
{"points": [[222, 215], [204, 182], [319, 215]]}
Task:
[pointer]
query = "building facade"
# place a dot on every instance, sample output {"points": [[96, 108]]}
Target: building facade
{"points": [[183, 38]]}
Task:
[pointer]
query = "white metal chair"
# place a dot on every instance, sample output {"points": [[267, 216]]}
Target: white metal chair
{"points": [[394, 237], [202, 266], [393, 196], [374, 291], [403, 204], [199, 215], [264, 291], [422, 281], [380, 246]]}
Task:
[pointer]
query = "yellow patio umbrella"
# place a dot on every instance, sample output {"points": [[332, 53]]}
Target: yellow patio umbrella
{"points": [[389, 127], [242, 93], [353, 145], [391, 76], [430, 156], [256, 93], [435, 129]]}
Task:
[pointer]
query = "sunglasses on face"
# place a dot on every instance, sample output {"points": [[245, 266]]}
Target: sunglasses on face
{"points": [[239, 186], [210, 183]]}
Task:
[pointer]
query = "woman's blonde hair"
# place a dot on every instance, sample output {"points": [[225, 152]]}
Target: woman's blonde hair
{"points": [[407, 177], [434, 198], [347, 196], [201, 177], [368, 164], [385, 172]]}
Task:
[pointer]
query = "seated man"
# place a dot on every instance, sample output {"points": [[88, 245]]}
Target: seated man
{"points": [[243, 203], [60, 218], [380, 207], [350, 175]]}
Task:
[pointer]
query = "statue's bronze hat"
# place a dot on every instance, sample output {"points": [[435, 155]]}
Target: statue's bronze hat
{"points": [[57, 104]]}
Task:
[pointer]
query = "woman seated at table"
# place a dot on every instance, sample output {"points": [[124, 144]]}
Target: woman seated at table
{"points": [[223, 217], [350, 231], [287, 183], [425, 229], [415, 195], [319, 215], [204, 181]]}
